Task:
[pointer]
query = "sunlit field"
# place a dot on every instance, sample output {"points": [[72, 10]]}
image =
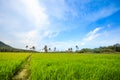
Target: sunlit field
{"points": [[63, 66], [75, 67], [10, 63]]}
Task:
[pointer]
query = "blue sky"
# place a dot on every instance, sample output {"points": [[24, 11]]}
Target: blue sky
{"points": [[60, 23]]}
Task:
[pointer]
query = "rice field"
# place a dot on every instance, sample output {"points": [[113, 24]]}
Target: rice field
{"points": [[75, 67], [10, 63], [62, 66]]}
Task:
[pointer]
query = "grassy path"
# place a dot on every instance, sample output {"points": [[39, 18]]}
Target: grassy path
{"points": [[24, 72]]}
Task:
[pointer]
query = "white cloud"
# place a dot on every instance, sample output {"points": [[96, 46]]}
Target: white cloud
{"points": [[91, 35], [59, 9], [24, 14], [110, 37], [99, 14], [97, 38], [50, 34], [34, 14], [40, 18], [33, 11]]}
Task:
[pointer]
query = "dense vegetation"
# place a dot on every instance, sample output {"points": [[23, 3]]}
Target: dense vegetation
{"points": [[6, 48], [108, 49], [10, 63], [56, 66], [75, 67]]}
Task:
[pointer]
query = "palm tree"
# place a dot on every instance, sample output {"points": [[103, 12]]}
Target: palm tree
{"points": [[68, 49], [77, 48], [26, 46], [45, 48], [71, 49], [49, 49], [54, 49], [33, 47]]}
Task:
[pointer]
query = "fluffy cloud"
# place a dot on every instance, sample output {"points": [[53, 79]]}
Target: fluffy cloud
{"points": [[32, 11], [35, 21], [102, 13], [91, 35], [58, 9]]}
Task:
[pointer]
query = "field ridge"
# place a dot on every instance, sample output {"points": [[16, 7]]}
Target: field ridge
{"points": [[24, 72]]}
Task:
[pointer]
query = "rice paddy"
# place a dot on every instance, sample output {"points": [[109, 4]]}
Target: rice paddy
{"points": [[62, 66]]}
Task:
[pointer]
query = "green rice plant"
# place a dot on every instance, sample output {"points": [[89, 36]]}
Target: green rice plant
{"points": [[75, 67], [57, 66], [10, 63]]}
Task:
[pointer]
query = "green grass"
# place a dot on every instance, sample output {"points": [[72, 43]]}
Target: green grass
{"points": [[10, 63], [60, 66], [75, 67]]}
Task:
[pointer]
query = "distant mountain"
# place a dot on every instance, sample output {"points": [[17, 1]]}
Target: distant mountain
{"points": [[6, 48]]}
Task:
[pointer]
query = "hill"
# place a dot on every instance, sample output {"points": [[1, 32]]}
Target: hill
{"points": [[6, 48]]}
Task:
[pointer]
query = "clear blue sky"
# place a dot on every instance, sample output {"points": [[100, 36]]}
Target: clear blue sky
{"points": [[60, 23]]}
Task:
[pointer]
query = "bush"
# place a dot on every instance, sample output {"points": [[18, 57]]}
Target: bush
{"points": [[85, 50]]}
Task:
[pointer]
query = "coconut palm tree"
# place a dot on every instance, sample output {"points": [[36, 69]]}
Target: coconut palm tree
{"points": [[33, 47], [77, 48], [26, 46], [45, 48], [54, 49]]}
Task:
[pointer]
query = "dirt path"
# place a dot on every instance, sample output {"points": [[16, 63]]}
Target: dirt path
{"points": [[24, 72]]}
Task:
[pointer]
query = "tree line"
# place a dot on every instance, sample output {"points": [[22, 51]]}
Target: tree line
{"points": [[104, 49], [107, 49]]}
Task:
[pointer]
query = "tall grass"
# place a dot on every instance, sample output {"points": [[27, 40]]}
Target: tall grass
{"points": [[9, 64], [57, 66], [75, 67]]}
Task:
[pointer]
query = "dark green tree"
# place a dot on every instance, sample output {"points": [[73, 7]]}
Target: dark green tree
{"points": [[49, 49], [85, 50], [26, 46], [45, 48], [54, 49], [33, 47], [117, 47], [77, 48]]}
